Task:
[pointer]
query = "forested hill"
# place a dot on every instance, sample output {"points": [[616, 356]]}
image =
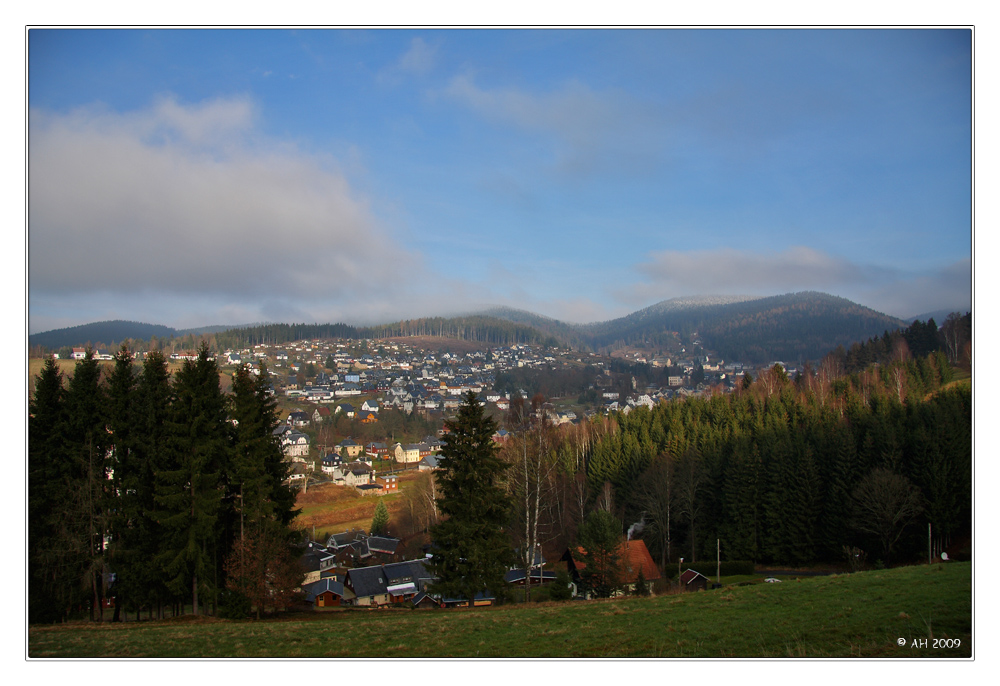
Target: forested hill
{"points": [[105, 333], [568, 335], [478, 328], [791, 327]]}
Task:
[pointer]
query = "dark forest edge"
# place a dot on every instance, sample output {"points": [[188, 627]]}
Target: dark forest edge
{"points": [[157, 492]]}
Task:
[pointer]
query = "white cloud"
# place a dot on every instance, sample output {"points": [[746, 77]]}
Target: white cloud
{"points": [[192, 200], [947, 288], [574, 111], [609, 132], [418, 60], [729, 270]]}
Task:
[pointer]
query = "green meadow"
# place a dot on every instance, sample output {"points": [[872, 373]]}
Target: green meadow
{"points": [[921, 611]]}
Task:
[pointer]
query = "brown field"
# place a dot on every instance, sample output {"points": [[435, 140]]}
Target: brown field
{"points": [[67, 367], [332, 509], [455, 345]]}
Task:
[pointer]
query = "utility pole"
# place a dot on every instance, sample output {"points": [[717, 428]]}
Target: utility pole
{"points": [[930, 550], [718, 562]]}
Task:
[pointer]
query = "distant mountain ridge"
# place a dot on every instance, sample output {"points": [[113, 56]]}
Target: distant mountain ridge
{"points": [[112, 332], [791, 327], [106, 333]]}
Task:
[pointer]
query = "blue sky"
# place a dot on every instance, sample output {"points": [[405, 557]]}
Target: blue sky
{"points": [[196, 177]]}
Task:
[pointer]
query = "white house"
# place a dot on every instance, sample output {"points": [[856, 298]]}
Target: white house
{"points": [[295, 445]]}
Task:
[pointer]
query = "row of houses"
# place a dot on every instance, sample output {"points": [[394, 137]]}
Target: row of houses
{"points": [[406, 583], [347, 549]]}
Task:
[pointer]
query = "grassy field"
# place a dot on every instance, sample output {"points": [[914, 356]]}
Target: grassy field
{"points": [[859, 615]]}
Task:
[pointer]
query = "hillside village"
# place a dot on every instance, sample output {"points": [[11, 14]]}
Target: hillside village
{"points": [[353, 568], [332, 390], [321, 381]]}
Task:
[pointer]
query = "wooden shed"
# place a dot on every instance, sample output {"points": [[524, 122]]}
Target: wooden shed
{"points": [[693, 581]]}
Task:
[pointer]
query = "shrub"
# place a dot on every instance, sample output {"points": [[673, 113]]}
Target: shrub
{"points": [[233, 605], [560, 589]]}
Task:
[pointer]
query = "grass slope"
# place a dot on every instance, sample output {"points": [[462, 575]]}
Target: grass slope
{"points": [[859, 615]]}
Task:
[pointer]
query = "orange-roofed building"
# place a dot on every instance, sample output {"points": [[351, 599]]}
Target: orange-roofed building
{"points": [[634, 557]]}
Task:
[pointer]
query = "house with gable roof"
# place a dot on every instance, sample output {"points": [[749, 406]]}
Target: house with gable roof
{"points": [[331, 462], [352, 448], [354, 474], [295, 445], [388, 584], [693, 581], [323, 593], [298, 418], [634, 558], [368, 417], [408, 453]]}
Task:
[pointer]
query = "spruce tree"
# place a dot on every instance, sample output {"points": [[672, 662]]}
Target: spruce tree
{"points": [[143, 583], [380, 521], [83, 513], [255, 448], [259, 502], [189, 486], [471, 551], [46, 469], [601, 538], [125, 512]]}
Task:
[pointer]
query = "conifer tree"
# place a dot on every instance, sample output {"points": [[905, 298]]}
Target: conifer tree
{"points": [[380, 521], [741, 498], [125, 515], [83, 513], [252, 481], [839, 479], [188, 488], [601, 539], [143, 582], [261, 564], [47, 465], [471, 551]]}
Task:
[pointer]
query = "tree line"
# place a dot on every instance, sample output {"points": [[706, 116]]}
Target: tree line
{"points": [[782, 471], [155, 492], [481, 329], [919, 339]]}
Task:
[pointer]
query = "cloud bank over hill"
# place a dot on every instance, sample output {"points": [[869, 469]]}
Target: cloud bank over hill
{"points": [[883, 288], [194, 177]]}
